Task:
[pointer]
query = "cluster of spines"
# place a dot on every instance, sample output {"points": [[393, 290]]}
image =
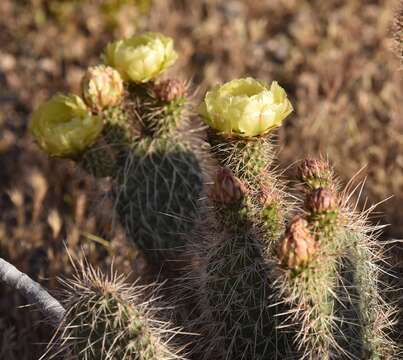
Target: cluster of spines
{"points": [[147, 149], [251, 161], [109, 319], [231, 284], [328, 277], [161, 183], [247, 203]]}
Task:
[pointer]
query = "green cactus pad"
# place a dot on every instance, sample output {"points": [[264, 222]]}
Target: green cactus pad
{"points": [[158, 195]]}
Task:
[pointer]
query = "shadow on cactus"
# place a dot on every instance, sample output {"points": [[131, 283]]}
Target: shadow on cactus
{"points": [[143, 141], [329, 277], [158, 196]]}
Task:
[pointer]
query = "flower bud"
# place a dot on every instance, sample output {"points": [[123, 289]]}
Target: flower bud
{"points": [[102, 87], [245, 107], [227, 188], [321, 200], [64, 126], [316, 173], [297, 246], [169, 90], [142, 57]]}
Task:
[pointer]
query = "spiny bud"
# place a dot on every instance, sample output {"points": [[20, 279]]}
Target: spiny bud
{"points": [[297, 246], [227, 188], [102, 87], [169, 90], [321, 200], [316, 173]]}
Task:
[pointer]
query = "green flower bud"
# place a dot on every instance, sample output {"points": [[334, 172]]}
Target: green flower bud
{"points": [[102, 87], [64, 127], [245, 107], [142, 57]]}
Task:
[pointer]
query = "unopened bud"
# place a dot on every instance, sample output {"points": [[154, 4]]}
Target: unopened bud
{"points": [[321, 200], [102, 87], [297, 246], [169, 90], [227, 188], [315, 173]]}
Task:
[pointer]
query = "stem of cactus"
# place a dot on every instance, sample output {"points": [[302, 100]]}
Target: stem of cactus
{"points": [[333, 289], [250, 160], [158, 196], [362, 291], [108, 319], [232, 281], [157, 166]]}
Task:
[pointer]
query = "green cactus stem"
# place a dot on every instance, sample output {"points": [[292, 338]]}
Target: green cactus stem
{"points": [[335, 294], [232, 282], [108, 319]]}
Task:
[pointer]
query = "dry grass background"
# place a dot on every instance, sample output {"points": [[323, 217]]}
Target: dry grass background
{"points": [[334, 58]]}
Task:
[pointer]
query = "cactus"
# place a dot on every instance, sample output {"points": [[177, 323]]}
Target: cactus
{"points": [[248, 150], [268, 279], [146, 145], [109, 319], [160, 184], [247, 208], [332, 290], [231, 282]]}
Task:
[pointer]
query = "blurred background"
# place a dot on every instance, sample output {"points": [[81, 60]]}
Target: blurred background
{"points": [[334, 58]]}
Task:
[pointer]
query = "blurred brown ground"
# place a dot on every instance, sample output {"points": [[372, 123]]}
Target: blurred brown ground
{"points": [[333, 57]]}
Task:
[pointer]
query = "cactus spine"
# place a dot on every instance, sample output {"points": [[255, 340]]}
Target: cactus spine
{"points": [[266, 286], [108, 319], [251, 160], [161, 182], [235, 294], [147, 147], [330, 286]]}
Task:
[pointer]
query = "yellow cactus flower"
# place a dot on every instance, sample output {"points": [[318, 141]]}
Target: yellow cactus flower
{"points": [[64, 127], [245, 107], [142, 57], [102, 87]]}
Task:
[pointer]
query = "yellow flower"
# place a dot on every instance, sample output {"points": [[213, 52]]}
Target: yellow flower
{"points": [[245, 107], [64, 126], [102, 87], [142, 57]]}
